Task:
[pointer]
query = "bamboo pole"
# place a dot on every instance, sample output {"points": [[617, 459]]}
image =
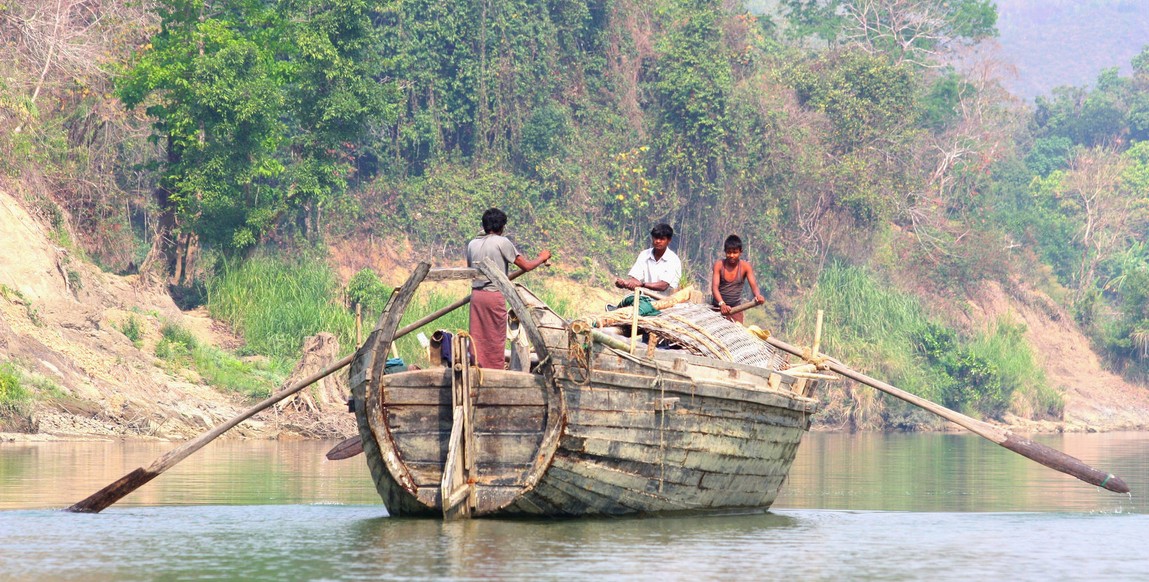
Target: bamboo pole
{"points": [[634, 319]]}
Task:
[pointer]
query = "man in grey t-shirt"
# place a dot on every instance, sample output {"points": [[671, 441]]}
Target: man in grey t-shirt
{"points": [[488, 306]]}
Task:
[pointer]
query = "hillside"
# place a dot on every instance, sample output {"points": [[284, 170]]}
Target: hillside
{"points": [[60, 319], [59, 324]]}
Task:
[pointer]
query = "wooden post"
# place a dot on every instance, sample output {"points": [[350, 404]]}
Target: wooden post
{"points": [[358, 324], [634, 320], [817, 336]]}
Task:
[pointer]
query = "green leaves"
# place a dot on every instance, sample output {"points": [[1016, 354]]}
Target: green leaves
{"points": [[260, 106]]}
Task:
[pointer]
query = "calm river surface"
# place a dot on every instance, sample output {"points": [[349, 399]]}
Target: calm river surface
{"points": [[856, 507]]}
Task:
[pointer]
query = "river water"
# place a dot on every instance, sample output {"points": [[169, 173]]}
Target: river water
{"points": [[856, 507]]}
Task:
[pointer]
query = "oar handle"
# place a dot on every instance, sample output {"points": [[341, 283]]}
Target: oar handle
{"points": [[743, 307], [1040, 453]]}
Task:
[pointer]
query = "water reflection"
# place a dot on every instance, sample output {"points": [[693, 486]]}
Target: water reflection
{"points": [[856, 507], [890, 472], [959, 472], [58, 474], [583, 548]]}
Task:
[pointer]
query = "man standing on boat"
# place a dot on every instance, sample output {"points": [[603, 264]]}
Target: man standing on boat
{"points": [[657, 268], [488, 306]]}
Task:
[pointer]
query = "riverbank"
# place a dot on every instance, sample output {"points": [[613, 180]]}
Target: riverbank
{"points": [[62, 322]]}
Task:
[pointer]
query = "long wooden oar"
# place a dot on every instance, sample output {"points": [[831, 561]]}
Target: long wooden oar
{"points": [[116, 491], [1049, 457]]}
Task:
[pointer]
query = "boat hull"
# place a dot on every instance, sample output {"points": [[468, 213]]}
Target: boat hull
{"points": [[627, 439], [592, 428]]}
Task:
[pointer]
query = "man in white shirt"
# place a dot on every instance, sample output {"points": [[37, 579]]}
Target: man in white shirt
{"points": [[656, 268]]}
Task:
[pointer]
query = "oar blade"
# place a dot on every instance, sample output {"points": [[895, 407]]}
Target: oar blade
{"points": [[114, 492], [1059, 461], [346, 449]]}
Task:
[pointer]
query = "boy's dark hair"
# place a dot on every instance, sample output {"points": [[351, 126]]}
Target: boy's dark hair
{"points": [[494, 220], [662, 230], [733, 243]]}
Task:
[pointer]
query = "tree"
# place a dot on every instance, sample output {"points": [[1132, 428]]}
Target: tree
{"points": [[260, 108], [336, 92], [692, 81], [1102, 190], [213, 87], [913, 31]]}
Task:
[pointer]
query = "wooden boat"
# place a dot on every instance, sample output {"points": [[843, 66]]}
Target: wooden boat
{"points": [[589, 429]]}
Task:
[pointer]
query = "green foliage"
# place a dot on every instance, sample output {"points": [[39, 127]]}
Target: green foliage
{"points": [[1047, 226], [275, 303], [545, 136], [445, 207], [692, 81], [202, 74], [365, 289], [254, 378], [132, 329], [260, 107], [1116, 110], [866, 97], [12, 390], [940, 105], [814, 18], [1018, 375], [634, 193], [970, 380], [1049, 154], [176, 344]]}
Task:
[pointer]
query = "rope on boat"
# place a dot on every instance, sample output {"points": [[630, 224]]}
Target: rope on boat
{"points": [[580, 350]]}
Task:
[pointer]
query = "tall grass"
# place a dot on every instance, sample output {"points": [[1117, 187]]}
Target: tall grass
{"points": [[869, 326], [1021, 376], [254, 378], [276, 303]]}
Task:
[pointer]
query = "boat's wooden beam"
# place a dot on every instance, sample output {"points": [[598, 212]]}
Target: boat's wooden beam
{"points": [[453, 274]]}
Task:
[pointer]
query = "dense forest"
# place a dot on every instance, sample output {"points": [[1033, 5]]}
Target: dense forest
{"points": [[874, 168]]}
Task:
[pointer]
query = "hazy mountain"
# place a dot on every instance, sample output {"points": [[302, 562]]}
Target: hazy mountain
{"points": [[1049, 43], [1068, 42]]}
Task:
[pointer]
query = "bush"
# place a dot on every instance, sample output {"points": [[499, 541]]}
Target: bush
{"points": [[133, 330], [365, 289], [12, 390], [176, 344]]}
